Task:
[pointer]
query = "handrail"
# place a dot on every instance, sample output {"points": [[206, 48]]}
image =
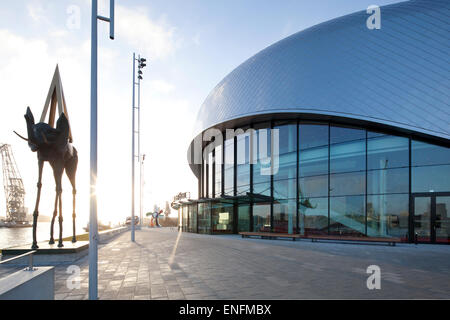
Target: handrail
{"points": [[30, 261]]}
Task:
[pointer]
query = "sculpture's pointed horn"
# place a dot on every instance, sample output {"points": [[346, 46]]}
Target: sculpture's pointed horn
{"points": [[21, 136], [45, 138]]}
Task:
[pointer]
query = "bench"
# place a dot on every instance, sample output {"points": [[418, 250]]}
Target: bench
{"points": [[315, 238], [270, 235]]}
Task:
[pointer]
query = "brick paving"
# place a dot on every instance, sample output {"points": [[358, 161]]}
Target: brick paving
{"points": [[165, 264]]}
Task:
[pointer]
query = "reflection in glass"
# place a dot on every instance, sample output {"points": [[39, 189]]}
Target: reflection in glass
{"points": [[425, 154], [262, 159], [347, 150], [431, 178], [387, 152], [352, 183], [218, 173], [388, 181], [284, 189], [387, 216], [243, 218], [284, 216], [313, 145], [222, 218], [347, 216], [442, 219], [313, 216], [243, 164], [193, 218], [204, 218], [287, 152], [422, 216], [262, 189], [261, 217], [316, 186], [229, 168]]}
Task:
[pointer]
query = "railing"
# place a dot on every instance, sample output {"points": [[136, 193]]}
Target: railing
{"points": [[30, 260]]}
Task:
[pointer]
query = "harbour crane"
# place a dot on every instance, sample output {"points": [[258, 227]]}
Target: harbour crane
{"points": [[14, 189]]}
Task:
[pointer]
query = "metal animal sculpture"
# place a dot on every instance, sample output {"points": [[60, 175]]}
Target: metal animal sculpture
{"points": [[52, 145]]}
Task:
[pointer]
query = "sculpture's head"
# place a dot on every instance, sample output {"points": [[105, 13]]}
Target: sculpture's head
{"points": [[42, 136]]}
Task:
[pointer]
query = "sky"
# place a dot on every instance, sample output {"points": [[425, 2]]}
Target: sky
{"points": [[190, 46]]}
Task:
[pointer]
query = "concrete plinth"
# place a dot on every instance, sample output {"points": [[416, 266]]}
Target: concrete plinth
{"points": [[38, 284]]}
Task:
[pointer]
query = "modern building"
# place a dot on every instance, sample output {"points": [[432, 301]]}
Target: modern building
{"points": [[363, 131]]}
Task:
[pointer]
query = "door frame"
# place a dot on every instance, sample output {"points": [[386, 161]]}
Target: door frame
{"points": [[432, 196]]}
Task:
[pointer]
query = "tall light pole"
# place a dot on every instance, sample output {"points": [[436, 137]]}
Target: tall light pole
{"points": [[141, 65], [93, 227]]}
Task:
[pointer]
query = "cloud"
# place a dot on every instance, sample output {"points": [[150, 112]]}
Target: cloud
{"points": [[161, 86], [37, 12], [155, 39]]}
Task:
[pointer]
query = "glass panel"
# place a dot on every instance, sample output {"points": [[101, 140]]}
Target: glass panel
{"points": [[229, 168], [243, 218], [205, 178], [387, 216], [243, 164], [352, 183], [431, 179], [313, 216], [388, 181], [347, 150], [222, 218], [423, 154], [287, 152], [284, 189], [387, 152], [204, 218], [218, 173], [316, 186], [261, 218], [210, 175], [262, 155], [422, 216], [284, 216], [442, 219], [347, 216], [193, 218], [185, 218], [262, 188], [313, 150]]}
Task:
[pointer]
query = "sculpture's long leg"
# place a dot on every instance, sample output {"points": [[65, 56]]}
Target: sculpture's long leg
{"points": [[36, 208], [58, 169], [55, 213], [71, 169]]}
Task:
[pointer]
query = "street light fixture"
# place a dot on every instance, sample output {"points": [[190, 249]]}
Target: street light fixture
{"points": [[141, 65]]}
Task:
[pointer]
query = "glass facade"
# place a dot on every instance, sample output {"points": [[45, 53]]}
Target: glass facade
{"points": [[314, 178]]}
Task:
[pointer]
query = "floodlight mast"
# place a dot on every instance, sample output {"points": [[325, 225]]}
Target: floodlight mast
{"points": [[93, 226]]}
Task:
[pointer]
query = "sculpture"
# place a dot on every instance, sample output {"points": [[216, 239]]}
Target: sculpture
{"points": [[54, 146]]}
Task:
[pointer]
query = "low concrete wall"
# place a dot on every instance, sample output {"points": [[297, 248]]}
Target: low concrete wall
{"points": [[104, 236], [38, 284]]}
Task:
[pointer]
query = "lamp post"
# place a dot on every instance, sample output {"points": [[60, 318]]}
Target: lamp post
{"points": [[93, 227], [141, 65]]}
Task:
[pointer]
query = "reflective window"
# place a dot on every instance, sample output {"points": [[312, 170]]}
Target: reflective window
{"points": [[222, 218], [425, 154], [210, 175], [262, 160], [218, 171], [387, 216], [193, 218], [430, 167], [243, 218], [315, 186], [229, 167], [261, 217], [347, 149], [284, 189], [204, 218], [351, 183], [313, 145], [284, 216], [347, 216], [387, 152], [285, 152], [243, 163], [388, 181], [313, 216]]}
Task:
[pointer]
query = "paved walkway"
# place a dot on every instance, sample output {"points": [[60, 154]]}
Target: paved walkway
{"points": [[165, 264]]}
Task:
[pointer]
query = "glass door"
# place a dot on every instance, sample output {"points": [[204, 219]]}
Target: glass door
{"points": [[431, 218], [442, 220]]}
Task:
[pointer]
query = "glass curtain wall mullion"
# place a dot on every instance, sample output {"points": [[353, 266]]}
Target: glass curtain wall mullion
{"points": [[329, 178], [251, 157], [297, 177], [271, 175], [365, 193], [213, 173]]}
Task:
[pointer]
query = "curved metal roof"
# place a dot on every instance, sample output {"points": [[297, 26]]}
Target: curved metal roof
{"points": [[397, 76]]}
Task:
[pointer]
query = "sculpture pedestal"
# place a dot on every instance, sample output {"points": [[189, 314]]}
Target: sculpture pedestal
{"points": [[48, 254]]}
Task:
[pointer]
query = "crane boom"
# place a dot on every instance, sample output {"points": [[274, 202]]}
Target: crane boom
{"points": [[13, 185]]}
